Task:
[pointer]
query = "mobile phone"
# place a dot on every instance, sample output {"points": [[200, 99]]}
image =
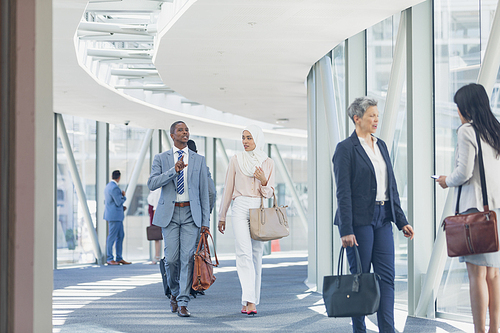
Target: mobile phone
{"points": [[435, 176]]}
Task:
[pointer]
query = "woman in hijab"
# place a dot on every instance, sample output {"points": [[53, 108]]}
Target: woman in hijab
{"points": [[249, 177]]}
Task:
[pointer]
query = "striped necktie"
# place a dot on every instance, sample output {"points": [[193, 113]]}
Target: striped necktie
{"points": [[180, 177]]}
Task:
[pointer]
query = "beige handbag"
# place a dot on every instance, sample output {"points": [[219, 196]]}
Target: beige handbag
{"points": [[268, 223]]}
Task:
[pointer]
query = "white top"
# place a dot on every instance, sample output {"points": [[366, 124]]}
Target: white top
{"points": [[154, 197], [380, 168], [184, 196], [466, 172]]}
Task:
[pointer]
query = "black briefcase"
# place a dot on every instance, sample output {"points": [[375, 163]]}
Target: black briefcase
{"points": [[351, 295], [166, 289]]}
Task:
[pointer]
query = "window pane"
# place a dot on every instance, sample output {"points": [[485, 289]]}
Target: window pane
{"points": [[457, 59], [72, 236], [124, 147]]}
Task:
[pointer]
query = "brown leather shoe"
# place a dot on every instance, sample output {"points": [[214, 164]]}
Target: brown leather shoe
{"points": [[173, 304], [183, 312], [123, 262], [112, 262]]}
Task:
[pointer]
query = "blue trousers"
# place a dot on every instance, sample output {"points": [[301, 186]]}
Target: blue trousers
{"points": [[180, 244], [376, 247], [115, 235]]}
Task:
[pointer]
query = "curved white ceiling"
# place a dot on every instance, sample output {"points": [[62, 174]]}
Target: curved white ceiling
{"points": [[247, 58], [251, 58]]}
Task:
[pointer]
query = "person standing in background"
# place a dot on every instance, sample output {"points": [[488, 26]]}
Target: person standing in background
{"points": [[114, 215]]}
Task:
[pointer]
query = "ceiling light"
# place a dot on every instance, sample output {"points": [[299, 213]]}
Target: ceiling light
{"points": [[282, 120]]}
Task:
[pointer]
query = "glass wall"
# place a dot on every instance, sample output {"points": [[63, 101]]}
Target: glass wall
{"points": [[124, 147], [295, 159], [461, 34], [72, 237], [380, 43], [73, 242]]}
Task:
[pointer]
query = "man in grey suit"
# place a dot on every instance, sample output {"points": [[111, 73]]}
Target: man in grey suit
{"points": [[182, 210]]}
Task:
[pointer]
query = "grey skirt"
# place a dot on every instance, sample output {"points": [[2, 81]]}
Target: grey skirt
{"points": [[485, 259]]}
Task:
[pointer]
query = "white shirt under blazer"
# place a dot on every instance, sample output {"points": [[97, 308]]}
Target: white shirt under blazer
{"points": [[466, 172]]}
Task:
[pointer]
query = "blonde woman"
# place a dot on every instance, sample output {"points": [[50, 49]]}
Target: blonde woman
{"points": [[249, 177]]}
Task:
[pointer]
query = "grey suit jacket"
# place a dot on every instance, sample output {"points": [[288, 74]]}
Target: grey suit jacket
{"points": [[163, 175]]}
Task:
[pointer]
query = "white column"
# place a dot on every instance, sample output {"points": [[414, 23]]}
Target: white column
{"points": [[102, 177], [82, 199], [491, 61], [325, 200], [395, 89], [44, 184], [132, 184], [420, 145], [311, 180]]}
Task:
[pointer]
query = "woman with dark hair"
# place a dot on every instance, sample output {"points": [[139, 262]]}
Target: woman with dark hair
{"points": [[475, 114]]}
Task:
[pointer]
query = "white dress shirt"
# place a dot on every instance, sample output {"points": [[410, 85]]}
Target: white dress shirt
{"points": [[184, 196], [380, 168]]}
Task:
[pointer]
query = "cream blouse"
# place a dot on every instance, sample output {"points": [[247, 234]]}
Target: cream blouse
{"points": [[237, 184]]}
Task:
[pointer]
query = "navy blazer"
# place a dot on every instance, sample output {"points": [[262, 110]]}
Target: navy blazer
{"points": [[357, 186]]}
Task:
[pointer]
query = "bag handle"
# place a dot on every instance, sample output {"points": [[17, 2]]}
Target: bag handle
{"points": [[274, 200], [204, 241], [481, 175], [341, 261]]}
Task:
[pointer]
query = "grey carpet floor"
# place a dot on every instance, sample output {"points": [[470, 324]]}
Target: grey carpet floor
{"points": [[130, 299]]}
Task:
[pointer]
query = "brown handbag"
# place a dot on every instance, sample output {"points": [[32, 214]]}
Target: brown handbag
{"points": [[203, 272], [472, 233], [153, 232], [268, 223]]}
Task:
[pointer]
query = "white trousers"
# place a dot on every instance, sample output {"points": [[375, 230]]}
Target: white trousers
{"points": [[248, 251]]}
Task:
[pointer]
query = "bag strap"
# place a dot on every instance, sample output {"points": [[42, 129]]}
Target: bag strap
{"points": [[340, 266], [204, 241], [481, 175]]}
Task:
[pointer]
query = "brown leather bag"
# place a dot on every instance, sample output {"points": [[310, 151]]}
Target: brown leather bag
{"points": [[476, 232], [203, 272]]}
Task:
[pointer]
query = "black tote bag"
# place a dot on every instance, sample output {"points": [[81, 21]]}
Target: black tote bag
{"points": [[351, 295]]}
